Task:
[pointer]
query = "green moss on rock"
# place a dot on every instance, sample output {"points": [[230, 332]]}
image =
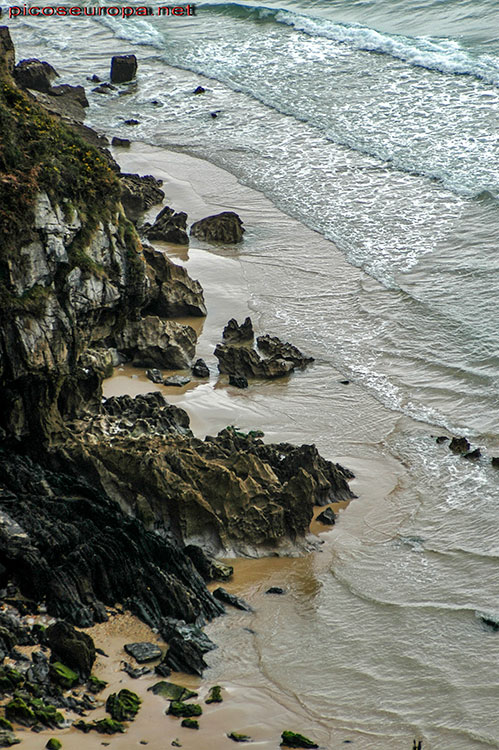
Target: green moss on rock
{"points": [[20, 713], [294, 739], [190, 723], [237, 737], [7, 739], [5, 724], [95, 685], [172, 692], [53, 744], [103, 726], [63, 675], [215, 695], [178, 708], [123, 706]]}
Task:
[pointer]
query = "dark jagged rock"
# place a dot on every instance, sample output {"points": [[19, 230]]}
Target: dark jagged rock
{"points": [[473, 455], [238, 381], [169, 227], [148, 412], [120, 142], [104, 88], [155, 343], [143, 652], [200, 369], [495, 462], [135, 674], [187, 645], [293, 739], [199, 90], [235, 333], [272, 347], [123, 706], [327, 517], [210, 568], [162, 670], [172, 692], [156, 376], [77, 551], [459, 445], [71, 647], [234, 601], [132, 121], [275, 590], [123, 68], [34, 74], [177, 380], [172, 292], [139, 194], [225, 227], [76, 93]]}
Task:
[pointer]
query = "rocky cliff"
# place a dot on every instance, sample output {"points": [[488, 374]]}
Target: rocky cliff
{"points": [[98, 499]]}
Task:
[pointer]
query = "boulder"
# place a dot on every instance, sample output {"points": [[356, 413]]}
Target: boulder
{"points": [[179, 708], [155, 375], [7, 739], [123, 706], [473, 455], [293, 739], [276, 590], [234, 601], [327, 517], [71, 647], [143, 652], [34, 74], [123, 68], [459, 445], [178, 381], [214, 695], [234, 333], [248, 363], [225, 227], [273, 347], [134, 673], [189, 723], [155, 343], [200, 369], [169, 227], [187, 645], [76, 93], [172, 293], [238, 381], [172, 692], [120, 142], [139, 194], [199, 90]]}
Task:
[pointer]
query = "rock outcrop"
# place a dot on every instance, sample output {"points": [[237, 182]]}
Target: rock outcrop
{"points": [[139, 194], [171, 292], [234, 333], [153, 342], [123, 68], [169, 227], [225, 227], [35, 74], [282, 358]]}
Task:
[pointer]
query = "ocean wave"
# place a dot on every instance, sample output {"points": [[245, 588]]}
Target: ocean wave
{"points": [[445, 56]]}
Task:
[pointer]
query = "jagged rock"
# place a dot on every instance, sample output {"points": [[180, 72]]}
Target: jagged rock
{"points": [[327, 517], [7, 51], [147, 413], [177, 380], [143, 652], [123, 68], [104, 88], [200, 369], [172, 292], [224, 227], [152, 342], [235, 601], [135, 674], [459, 445], [169, 227], [187, 645], [34, 74], [155, 375], [76, 93], [235, 333], [293, 739], [132, 121], [71, 647], [248, 363], [238, 381], [199, 90], [20, 713], [473, 455], [208, 567], [123, 706], [172, 692], [120, 142], [138, 194], [272, 347]]}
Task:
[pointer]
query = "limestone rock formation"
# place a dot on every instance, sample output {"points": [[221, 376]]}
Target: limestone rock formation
{"points": [[235, 333], [139, 194], [172, 292], [225, 227], [169, 227], [153, 342], [282, 358]]}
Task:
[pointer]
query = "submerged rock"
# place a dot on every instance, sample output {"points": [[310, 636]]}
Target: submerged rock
{"points": [[177, 380], [272, 347], [215, 695], [179, 708], [495, 462], [200, 369], [275, 590], [234, 601], [189, 723], [235, 333], [224, 227], [473, 455], [238, 737], [238, 381], [459, 445], [143, 652], [172, 692]]}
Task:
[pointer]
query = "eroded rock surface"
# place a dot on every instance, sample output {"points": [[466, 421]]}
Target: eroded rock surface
{"points": [[224, 227], [172, 293], [169, 227]]}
